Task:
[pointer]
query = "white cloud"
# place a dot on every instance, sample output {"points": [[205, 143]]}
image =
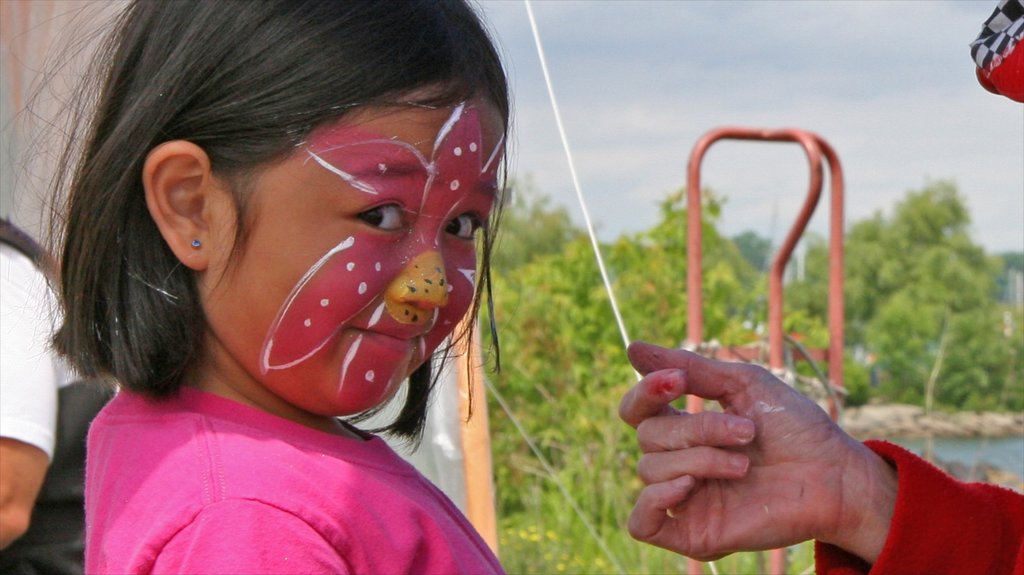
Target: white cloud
{"points": [[889, 85]]}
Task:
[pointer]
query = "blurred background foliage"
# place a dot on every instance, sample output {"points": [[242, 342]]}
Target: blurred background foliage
{"points": [[916, 287]]}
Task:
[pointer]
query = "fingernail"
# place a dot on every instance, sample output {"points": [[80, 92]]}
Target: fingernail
{"points": [[667, 382], [742, 429], [739, 464]]}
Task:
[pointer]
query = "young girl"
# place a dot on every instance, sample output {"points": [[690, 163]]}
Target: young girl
{"points": [[272, 224]]}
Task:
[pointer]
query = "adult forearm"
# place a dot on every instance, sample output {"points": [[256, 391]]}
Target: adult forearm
{"points": [[869, 490], [22, 470]]}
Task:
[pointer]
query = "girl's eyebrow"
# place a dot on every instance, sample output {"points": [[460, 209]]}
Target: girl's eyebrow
{"points": [[376, 161], [383, 142], [495, 153], [488, 188], [350, 179]]}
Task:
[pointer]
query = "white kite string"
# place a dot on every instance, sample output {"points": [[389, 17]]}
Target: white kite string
{"points": [[579, 193], [575, 180]]}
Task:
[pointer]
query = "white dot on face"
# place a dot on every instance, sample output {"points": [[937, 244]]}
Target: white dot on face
{"points": [[472, 147], [325, 302], [350, 266], [370, 375], [382, 167], [454, 185], [457, 151], [308, 322], [362, 288], [450, 288], [376, 266]]}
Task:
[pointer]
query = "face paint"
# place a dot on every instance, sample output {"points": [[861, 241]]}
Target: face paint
{"points": [[388, 295]]}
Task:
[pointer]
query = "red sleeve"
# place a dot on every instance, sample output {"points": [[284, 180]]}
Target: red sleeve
{"points": [[940, 525]]}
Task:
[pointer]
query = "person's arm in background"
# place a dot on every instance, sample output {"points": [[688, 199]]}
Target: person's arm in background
{"points": [[772, 470], [28, 391], [22, 470]]}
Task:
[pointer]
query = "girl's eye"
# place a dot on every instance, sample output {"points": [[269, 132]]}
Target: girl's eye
{"points": [[387, 217], [464, 226]]}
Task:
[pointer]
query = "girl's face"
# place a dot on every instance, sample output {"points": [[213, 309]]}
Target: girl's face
{"points": [[360, 259]]}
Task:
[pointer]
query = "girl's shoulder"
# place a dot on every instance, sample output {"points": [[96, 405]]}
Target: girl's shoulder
{"points": [[197, 461], [182, 462], [236, 439]]}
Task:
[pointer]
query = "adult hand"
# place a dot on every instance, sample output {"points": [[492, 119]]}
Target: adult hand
{"points": [[769, 471]]}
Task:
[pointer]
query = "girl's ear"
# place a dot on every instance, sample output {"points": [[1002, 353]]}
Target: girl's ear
{"points": [[183, 197]]}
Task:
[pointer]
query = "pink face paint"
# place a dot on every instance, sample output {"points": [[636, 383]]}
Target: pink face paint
{"points": [[341, 294]]}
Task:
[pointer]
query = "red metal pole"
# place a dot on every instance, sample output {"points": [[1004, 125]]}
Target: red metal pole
{"points": [[836, 319], [694, 259], [776, 343]]}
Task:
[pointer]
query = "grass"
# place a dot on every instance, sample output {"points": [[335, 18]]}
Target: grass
{"points": [[552, 545]]}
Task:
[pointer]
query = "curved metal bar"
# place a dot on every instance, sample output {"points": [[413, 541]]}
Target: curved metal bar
{"points": [[836, 318], [694, 246], [815, 147], [775, 306]]}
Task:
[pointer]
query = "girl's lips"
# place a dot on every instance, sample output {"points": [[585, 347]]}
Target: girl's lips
{"points": [[386, 340], [373, 366], [389, 348]]}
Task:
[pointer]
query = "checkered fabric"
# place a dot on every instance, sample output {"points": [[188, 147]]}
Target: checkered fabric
{"points": [[999, 35]]}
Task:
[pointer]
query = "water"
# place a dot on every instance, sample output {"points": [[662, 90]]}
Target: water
{"points": [[1006, 453]]}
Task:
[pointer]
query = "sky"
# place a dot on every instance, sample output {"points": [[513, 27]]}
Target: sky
{"points": [[889, 85]]}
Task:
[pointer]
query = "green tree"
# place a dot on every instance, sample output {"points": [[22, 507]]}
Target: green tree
{"points": [[531, 227], [1013, 260], [756, 250], [1007, 282], [912, 278]]}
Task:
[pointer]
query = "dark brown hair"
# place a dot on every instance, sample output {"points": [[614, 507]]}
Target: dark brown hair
{"points": [[246, 81]]}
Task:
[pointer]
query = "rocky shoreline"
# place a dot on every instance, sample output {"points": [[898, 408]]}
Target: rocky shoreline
{"points": [[889, 421], [884, 421]]}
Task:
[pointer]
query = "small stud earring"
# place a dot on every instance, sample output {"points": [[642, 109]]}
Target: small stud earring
{"points": [[197, 244]]}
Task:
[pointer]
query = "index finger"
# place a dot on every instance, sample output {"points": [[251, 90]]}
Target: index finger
{"points": [[707, 378], [652, 396]]}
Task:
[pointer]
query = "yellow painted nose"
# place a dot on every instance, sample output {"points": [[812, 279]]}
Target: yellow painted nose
{"points": [[419, 289]]}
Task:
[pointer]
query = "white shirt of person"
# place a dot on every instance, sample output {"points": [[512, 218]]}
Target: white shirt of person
{"points": [[30, 372]]}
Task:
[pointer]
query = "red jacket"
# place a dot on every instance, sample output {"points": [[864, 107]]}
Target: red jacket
{"points": [[940, 526]]}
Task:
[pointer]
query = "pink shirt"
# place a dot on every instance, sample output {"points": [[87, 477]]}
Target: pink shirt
{"points": [[202, 484]]}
